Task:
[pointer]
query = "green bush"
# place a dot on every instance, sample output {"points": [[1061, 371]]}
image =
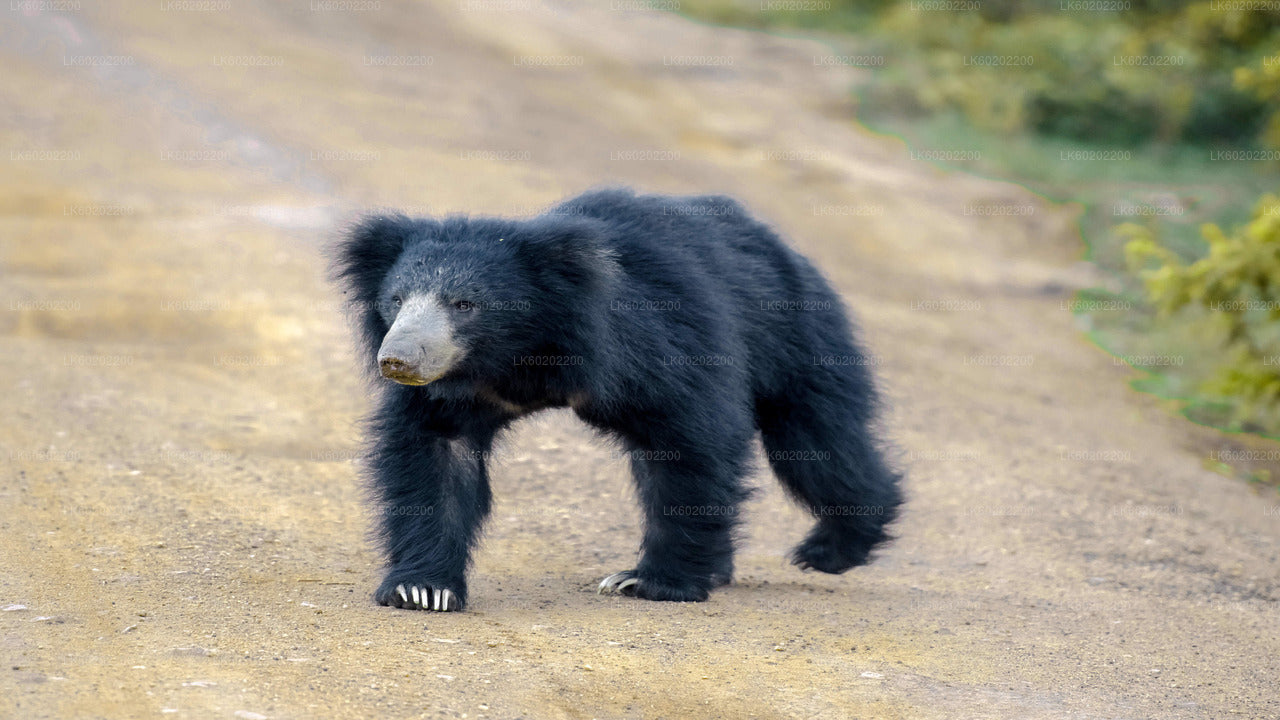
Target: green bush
{"points": [[1120, 78], [1233, 295], [1264, 81], [1082, 83]]}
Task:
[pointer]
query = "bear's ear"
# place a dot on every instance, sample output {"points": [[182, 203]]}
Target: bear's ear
{"points": [[361, 261], [569, 254]]}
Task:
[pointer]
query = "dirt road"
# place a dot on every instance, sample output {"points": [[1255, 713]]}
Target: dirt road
{"points": [[182, 531]]}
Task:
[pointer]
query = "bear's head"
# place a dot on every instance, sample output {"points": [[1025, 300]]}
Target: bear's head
{"points": [[469, 298]]}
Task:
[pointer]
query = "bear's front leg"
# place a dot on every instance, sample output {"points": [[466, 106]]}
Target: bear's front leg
{"points": [[691, 497], [434, 494]]}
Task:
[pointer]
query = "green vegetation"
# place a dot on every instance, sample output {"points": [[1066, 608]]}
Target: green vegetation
{"points": [[1155, 116], [1128, 77], [1109, 71], [1232, 297]]}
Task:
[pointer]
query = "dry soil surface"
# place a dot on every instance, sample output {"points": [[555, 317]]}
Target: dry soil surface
{"points": [[183, 530]]}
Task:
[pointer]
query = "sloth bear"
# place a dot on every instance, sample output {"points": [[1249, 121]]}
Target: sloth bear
{"points": [[678, 325]]}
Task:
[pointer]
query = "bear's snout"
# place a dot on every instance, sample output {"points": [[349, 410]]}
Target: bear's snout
{"points": [[399, 370], [419, 346], [416, 367]]}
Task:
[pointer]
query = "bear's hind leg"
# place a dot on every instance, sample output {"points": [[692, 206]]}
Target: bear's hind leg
{"points": [[822, 448]]}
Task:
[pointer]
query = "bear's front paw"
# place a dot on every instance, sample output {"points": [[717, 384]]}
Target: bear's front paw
{"points": [[632, 584], [418, 596]]}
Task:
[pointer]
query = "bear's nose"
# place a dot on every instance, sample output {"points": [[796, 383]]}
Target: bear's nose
{"points": [[395, 367]]}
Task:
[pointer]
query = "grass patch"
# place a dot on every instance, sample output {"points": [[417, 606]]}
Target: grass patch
{"points": [[1174, 189]]}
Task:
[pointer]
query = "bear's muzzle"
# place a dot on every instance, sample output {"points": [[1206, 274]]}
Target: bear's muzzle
{"points": [[419, 347]]}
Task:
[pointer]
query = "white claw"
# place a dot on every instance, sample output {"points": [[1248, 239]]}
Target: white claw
{"points": [[627, 583], [611, 583], [436, 600], [416, 599], [403, 596], [447, 601]]}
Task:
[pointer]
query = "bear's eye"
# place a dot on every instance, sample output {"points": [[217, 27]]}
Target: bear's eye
{"points": [[463, 305], [396, 300]]}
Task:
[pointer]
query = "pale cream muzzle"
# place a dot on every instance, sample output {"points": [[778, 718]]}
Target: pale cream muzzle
{"points": [[419, 347]]}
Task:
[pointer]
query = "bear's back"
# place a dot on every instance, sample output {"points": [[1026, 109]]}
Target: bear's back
{"points": [[729, 276]]}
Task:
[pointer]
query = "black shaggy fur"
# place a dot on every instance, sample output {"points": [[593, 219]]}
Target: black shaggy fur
{"points": [[679, 325]]}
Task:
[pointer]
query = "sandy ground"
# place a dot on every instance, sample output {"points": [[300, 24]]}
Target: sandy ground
{"points": [[182, 528]]}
